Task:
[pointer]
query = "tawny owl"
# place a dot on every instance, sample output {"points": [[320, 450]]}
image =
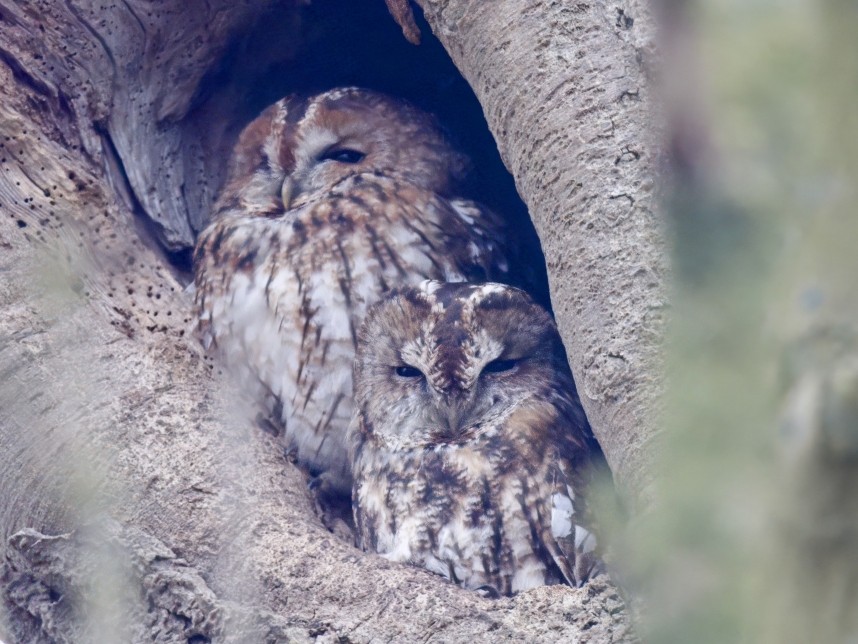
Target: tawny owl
{"points": [[330, 201], [471, 451]]}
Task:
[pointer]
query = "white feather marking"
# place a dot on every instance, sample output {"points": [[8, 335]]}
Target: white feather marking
{"points": [[561, 516], [584, 539], [270, 147], [530, 575], [314, 141], [338, 93], [466, 210], [489, 288], [429, 287], [475, 251]]}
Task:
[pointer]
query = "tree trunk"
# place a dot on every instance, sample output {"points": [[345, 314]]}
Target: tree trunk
{"points": [[136, 501]]}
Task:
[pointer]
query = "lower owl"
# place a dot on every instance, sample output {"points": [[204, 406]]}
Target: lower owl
{"points": [[471, 452]]}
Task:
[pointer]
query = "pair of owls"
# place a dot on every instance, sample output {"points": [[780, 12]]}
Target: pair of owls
{"points": [[338, 279]]}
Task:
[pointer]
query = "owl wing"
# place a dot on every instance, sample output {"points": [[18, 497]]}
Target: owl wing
{"points": [[487, 257], [577, 464], [498, 245], [561, 476], [572, 546]]}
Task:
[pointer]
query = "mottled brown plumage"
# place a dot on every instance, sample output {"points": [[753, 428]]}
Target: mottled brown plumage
{"points": [[471, 451], [330, 201]]}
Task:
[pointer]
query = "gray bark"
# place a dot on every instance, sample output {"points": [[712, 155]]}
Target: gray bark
{"points": [[137, 503]]}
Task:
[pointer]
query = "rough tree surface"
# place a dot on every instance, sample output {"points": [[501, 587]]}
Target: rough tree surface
{"points": [[131, 490]]}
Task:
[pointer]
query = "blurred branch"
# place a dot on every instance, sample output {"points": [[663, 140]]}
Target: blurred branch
{"points": [[756, 538]]}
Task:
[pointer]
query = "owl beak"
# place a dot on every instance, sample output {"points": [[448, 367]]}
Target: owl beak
{"points": [[448, 427], [452, 420], [287, 192], [455, 414]]}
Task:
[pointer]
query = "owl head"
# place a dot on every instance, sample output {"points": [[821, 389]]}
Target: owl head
{"points": [[443, 364], [300, 147]]}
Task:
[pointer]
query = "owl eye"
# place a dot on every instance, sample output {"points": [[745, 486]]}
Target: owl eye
{"points": [[499, 366], [343, 155], [406, 371]]}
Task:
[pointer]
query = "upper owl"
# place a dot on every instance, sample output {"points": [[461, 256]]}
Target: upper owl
{"points": [[331, 200], [471, 452]]}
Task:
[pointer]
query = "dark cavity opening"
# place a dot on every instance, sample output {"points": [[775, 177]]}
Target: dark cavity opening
{"points": [[340, 42]]}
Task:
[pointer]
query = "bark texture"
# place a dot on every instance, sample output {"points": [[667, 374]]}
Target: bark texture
{"points": [[136, 501]]}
